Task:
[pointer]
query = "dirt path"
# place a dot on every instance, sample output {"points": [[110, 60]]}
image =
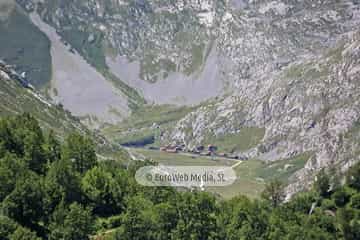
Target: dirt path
{"points": [[236, 164]]}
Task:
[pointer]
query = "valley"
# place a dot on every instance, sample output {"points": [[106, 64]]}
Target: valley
{"points": [[267, 80], [244, 70], [97, 98]]}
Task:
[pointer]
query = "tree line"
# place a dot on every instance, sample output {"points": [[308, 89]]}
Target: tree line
{"points": [[53, 190]]}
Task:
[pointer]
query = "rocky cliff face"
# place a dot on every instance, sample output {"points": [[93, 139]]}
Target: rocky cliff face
{"points": [[294, 71], [289, 67]]}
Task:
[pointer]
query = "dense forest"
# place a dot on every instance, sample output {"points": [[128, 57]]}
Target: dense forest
{"points": [[59, 190]]}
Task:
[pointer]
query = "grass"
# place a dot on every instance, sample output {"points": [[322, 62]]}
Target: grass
{"points": [[335, 54], [197, 59], [138, 126], [244, 140], [181, 159], [93, 52], [24, 45], [246, 183], [307, 71], [253, 175], [135, 100], [16, 100], [283, 169]]}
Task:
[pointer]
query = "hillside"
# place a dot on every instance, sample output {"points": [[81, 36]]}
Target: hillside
{"points": [[265, 80], [55, 68], [17, 97], [22, 44], [53, 190]]}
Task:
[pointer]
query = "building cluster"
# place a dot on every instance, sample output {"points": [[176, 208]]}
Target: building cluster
{"points": [[210, 150]]}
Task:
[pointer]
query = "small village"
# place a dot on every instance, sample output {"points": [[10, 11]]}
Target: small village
{"points": [[209, 151]]}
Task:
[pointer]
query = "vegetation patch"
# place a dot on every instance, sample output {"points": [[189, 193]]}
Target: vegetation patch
{"points": [[181, 159], [145, 123], [197, 59], [242, 141], [89, 45], [253, 175], [22, 44], [53, 190], [135, 100]]}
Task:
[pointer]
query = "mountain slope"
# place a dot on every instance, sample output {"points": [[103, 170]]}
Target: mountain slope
{"points": [[23, 44], [53, 66], [18, 97], [285, 72], [311, 106]]}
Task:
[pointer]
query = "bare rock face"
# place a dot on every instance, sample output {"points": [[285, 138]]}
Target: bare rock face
{"points": [[312, 105], [296, 76], [287, 66]]}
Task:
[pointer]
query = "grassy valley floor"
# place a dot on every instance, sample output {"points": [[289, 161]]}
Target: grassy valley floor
{"points": [[252, 175]]}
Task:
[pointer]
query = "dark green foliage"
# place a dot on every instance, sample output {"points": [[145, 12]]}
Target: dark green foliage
{"points": [[52, 148], [71, 223], [23, 136], [7, 227], [103, 189], [80, 151], [353, 177], [322, 184], [25, 203], [274, 192], [167, 216], [243, 217], [303, 202], [341, 197], [62, 183], [197, 218], [22, 233], [355, 201], [11, 169], [139, 221]]}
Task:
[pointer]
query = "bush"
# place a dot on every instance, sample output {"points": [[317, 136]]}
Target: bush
{"points": [[7, 227], [328, 204], [353, 177], [22, 233], [355, 201], [115, 221], [341, 197]]}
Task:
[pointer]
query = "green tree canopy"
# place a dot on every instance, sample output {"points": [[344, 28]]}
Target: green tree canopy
{"points": [[22, 233], [80, 151], [25, 203], [353, 177], [274, 192], [103, 190], [72, 223]]}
